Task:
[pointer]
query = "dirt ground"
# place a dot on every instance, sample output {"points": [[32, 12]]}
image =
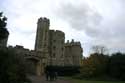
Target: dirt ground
{"points": [[42, 79]]}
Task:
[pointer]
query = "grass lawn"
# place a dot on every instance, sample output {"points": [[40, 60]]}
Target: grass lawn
{"points": [[87, 81], [83, 81]]}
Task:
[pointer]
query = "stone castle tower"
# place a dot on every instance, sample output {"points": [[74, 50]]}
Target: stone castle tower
{"points": [[42, 35], [49, 43], [42, 40], [51, 47]]}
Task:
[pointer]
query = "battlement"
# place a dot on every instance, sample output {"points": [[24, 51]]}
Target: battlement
{"points": [[19, 47], [43, 20], [72, 43], [58, 32]]}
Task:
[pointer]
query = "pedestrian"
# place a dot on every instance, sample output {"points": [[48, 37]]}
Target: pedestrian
{"points": [[47, 73], [56, 75]]}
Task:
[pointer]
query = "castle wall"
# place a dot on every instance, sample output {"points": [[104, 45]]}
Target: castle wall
{"points": [[30, 59], [73, 53], [57, 39]]}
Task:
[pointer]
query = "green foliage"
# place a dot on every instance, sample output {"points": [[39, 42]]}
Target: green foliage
{"points": [[107, 67], [94, 65], [12, 69], [117, 66], [3, 30]]}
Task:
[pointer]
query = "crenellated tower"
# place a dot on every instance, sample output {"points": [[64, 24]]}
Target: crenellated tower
{"points": [[73, 53], [42, 36], [42, 42]]}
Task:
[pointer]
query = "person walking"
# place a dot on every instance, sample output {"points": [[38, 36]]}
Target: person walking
{"points": [[47, 73]]}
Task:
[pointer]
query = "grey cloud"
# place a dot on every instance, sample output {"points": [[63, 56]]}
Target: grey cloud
{"points": [[80, 17], [103, 30]]}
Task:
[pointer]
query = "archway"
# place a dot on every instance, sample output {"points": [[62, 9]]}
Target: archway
{"points": [[34, 65]]}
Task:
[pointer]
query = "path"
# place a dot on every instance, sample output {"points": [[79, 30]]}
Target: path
{"points": [[39, 79]]}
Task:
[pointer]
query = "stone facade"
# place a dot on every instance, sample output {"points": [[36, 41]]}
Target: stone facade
{"points": [[31, 58], [52, 45], [42, 35], [73, 53], [56, 50], [42, 40]]}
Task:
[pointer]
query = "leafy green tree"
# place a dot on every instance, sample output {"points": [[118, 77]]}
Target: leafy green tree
{"points": [[87, 70], [3, 30], [100, 62], [117, 66], [99, 49], [95, 65]]}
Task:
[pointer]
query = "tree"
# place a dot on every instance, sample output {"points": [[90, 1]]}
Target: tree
{"points": [[95, 65], [99, 49], [117, 66], [3, 30], [88, 68]]}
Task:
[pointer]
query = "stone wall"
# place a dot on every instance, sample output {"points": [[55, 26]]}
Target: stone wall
{"points": [[57, 39], [73, 53]]}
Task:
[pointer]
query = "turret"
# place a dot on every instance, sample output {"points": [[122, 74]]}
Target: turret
{"points": [[42, 34], [43, 21]]}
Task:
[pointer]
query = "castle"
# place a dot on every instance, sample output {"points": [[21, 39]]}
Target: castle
{"points": [[50, 49]]}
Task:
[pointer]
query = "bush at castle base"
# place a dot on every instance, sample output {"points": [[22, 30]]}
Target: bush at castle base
{"points": [[12, 70]]}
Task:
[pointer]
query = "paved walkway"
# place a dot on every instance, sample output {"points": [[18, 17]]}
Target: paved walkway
{"points": [[38, 79]]}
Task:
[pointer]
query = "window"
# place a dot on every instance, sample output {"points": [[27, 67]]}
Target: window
{"points": [[62, 42], [44, 45], [62, 56], [54, 40], [54, 47], [45, 38], [62, 49], [54, 55]]}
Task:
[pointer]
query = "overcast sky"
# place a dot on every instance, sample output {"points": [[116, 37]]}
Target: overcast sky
{"points": [[92, 22]]}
